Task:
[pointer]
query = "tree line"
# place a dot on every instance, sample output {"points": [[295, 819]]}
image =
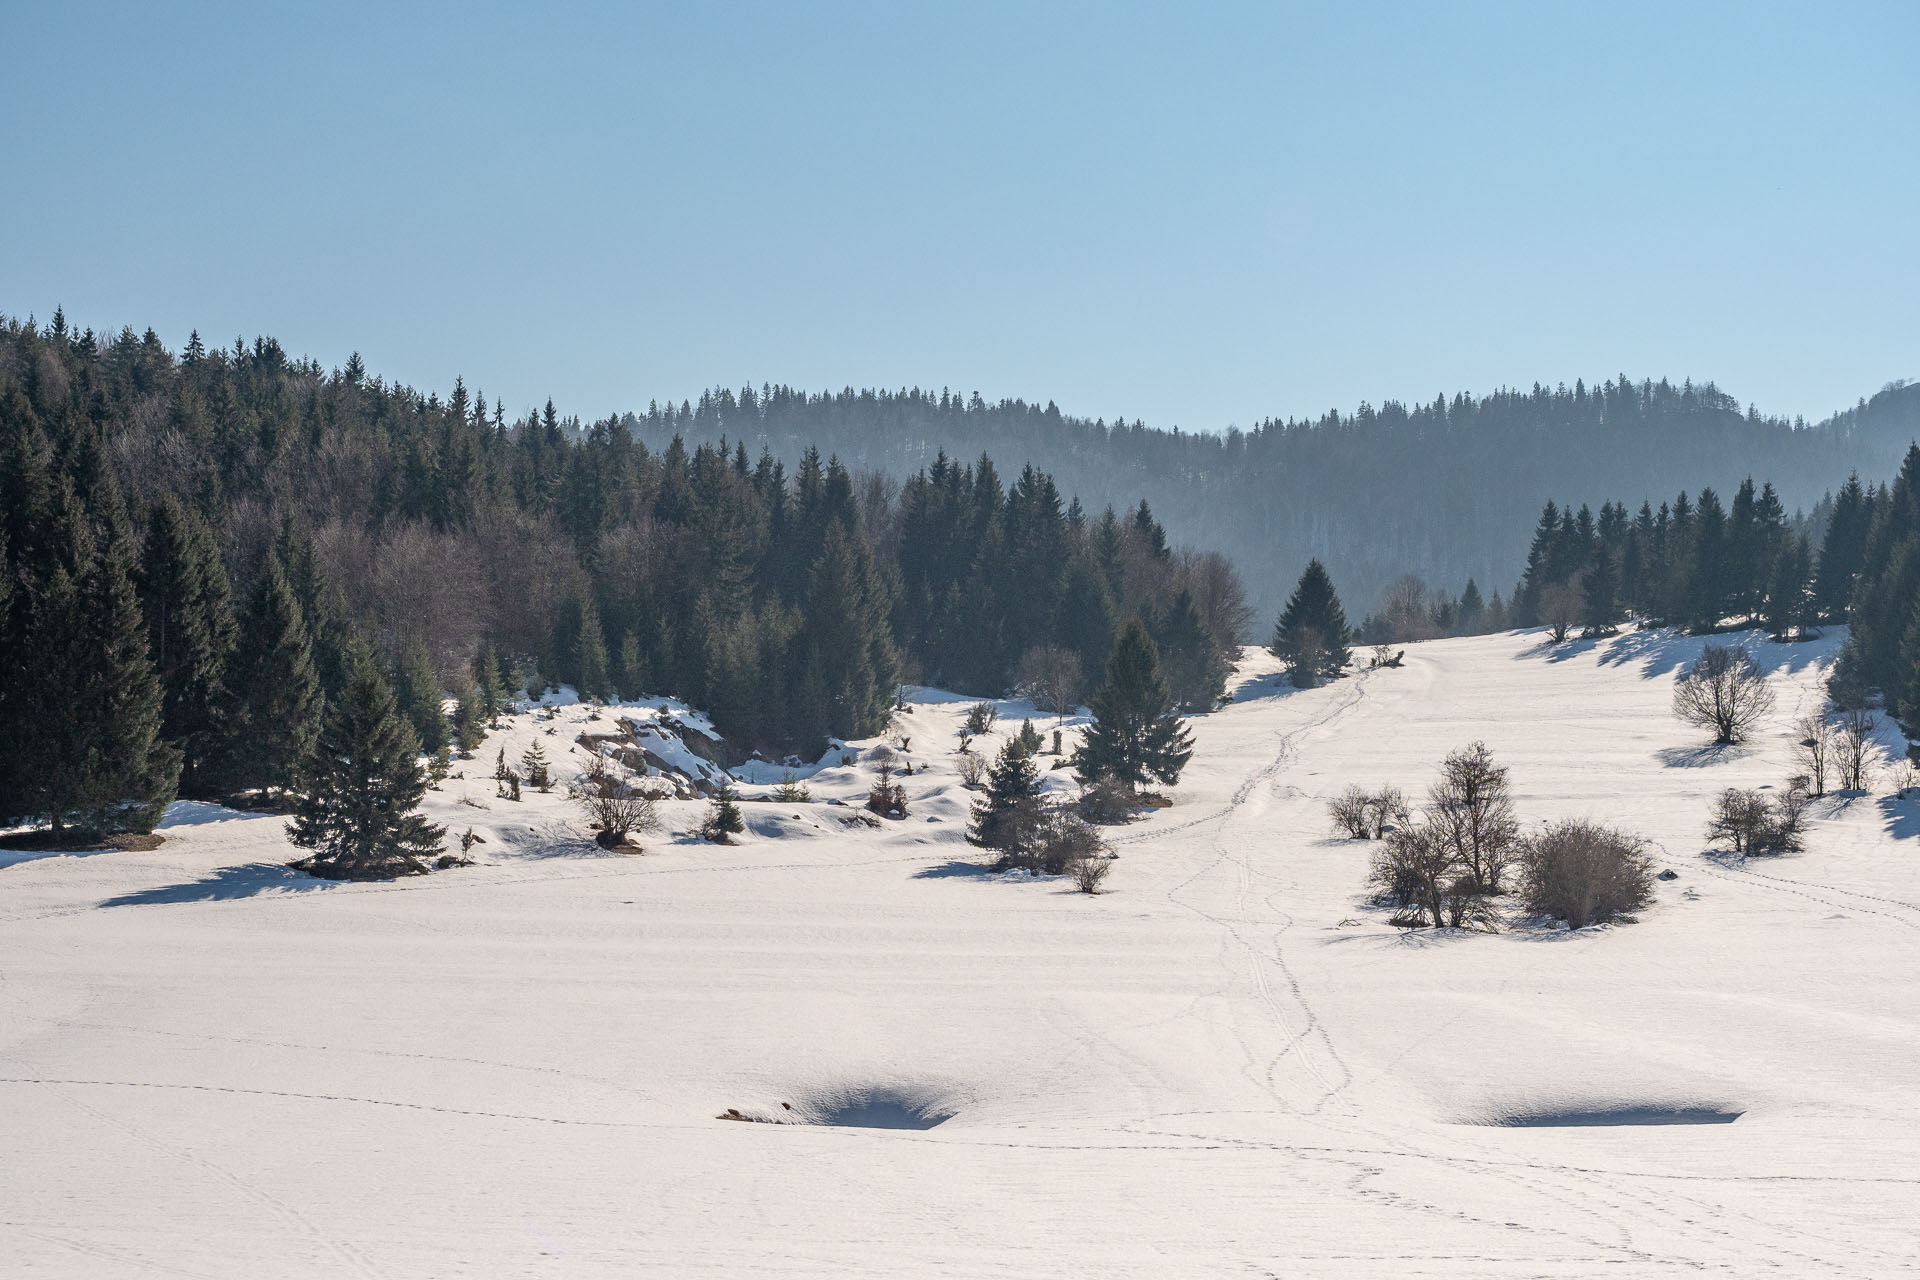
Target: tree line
{"points": [[198, 548], [1373, 492], [1704, 565]]}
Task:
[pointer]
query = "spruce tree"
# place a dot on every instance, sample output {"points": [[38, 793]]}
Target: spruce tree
{"points": [[97, 759], [723, 819], [361, 786], [274, 694], [1135, 735], [1788, 599], [416, 691], [1008, 817], [1196, 673], [190, 633], [1311, 635], [1600, 594], [590, 656], [488, 686]]}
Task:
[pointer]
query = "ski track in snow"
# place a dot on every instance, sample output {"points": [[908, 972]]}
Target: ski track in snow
{"points": [[1195, 1073]]}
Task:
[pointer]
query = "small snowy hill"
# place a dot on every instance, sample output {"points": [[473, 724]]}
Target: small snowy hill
{"points": [[1227, 1064]]}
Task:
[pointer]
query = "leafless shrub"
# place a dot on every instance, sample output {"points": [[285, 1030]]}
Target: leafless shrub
{"points": [[1853, 750], [1584, 873], [1815, 750], [1050, 676], [1723, 691], [1366, 815], [1349, 813], [612, 803], [1472, 808], [1089, 872], [1749, 823], [1415, 866], [973, 767], [1561, 604], [1386, 807]]}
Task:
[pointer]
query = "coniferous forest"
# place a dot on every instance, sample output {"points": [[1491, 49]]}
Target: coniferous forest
{"points": [[200, 544], [1707, 564]]}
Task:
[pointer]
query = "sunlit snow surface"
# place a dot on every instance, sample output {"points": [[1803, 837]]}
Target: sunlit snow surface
{"points": [[1229, 1064]]}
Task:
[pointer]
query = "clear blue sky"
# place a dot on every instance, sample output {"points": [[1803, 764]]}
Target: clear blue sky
{"points": [[1197, 215]]}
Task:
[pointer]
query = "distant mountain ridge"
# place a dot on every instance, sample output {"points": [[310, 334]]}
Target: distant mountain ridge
{"points": [[1447, 490]]}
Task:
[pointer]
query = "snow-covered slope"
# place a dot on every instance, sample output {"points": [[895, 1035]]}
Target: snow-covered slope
{"points": [[1228, 1064]]}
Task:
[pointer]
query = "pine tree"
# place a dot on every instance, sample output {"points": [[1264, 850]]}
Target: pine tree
{"points": [[470, 720], [1842, 549], [1311, 635], [1471, 611], [1135, 735], [1788, 600], [94, 706], [724, 819], [488, 686], [416, 692], [190, 633], [361, 786], [633, 667], [590, 655], [535, 768], [274, 694], [1600, 594], [1196, 673], [1008, 818]]}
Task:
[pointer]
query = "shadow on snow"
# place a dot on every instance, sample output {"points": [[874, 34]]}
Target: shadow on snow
{"points": [[249, 881]]}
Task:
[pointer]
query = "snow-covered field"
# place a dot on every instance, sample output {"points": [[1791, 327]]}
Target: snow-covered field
{"points": [[1228, 1064]]}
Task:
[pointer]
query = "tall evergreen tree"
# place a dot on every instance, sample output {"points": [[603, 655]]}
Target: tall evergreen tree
{"points": [[1196, 673], [1008, 818], [416, 692], [1600, 594], [97, 759], [1311, 636], [361, 786], [1843, 549], [1135, 736], [274, 694], [190, 632]]}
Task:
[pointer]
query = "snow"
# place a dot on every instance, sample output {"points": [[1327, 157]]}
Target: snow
{"points": [[1227, 1064]]}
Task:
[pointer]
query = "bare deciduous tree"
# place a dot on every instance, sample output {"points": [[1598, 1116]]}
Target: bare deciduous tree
{"points": [[1416, 865], [1815, 750], [1561, 604], [1349, 813], [1471, 806], [1749, 823], [1723, 691], [1584, 873], [1406, 606], [1853, 753], [1050, 676]]}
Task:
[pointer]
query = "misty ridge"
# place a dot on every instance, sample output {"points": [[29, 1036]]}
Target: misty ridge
{"points": [[1446, 490]]}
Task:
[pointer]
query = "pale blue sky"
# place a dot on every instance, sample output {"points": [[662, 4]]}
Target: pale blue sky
{"points": [[1197, 215]]}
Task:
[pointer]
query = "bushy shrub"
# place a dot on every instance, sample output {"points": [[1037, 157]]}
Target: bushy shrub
{"points": [[887, 797], [1584, 873], [981, 716], [612, 803], [791, 790], [1749, 823], [973, 768], [1349, 813]]}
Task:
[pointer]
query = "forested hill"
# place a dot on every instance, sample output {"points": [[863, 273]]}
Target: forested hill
{"points": [[1447, 490]]}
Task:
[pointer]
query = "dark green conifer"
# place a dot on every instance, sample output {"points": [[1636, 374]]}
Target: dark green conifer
{"points": [[1135, 736], [190, 632], [361, 786], [273, 693], [1008, 817], [1196, 673], [416, 692], [1311, 636]]}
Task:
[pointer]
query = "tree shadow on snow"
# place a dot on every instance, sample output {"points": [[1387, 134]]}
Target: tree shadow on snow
{"points": [[1701, 757], [952, 868], [249, 881], [1903, 817], [1663, 651]]}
